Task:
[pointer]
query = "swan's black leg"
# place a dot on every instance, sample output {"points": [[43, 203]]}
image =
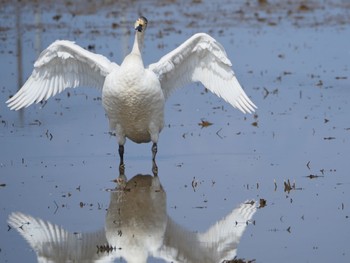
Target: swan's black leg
{"points": [[121, 155], [154, 151], [121, 179], [154, 164], [121, 169]]}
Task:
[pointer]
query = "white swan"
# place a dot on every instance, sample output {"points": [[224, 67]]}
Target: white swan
{"points": [[137, 227], [132, 95]]}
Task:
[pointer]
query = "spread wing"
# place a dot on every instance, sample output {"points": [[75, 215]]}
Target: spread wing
{"points": [[54, 244], [202, 59], [227, 233], [62, 65], [218, 244]]}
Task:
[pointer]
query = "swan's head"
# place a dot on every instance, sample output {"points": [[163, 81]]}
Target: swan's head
{"points": [[141, 24]]}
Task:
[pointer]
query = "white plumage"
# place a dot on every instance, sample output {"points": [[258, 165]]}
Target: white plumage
{"points": [[132, 95], [137, 226]]}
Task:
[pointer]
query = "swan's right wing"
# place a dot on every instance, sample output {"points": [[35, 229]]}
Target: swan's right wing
{"points": [[54, 244], [62, 65], [202, 59]]}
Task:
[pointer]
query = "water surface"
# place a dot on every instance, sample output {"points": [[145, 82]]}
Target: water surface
{"points": [[57, 160]]}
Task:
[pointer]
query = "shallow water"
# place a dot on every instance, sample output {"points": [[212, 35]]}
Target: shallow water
{"points": [[57, 161]]}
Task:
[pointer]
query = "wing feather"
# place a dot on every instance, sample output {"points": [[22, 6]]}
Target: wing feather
{"points": [[52, 243], [202, 59], [45, 90], [62, 65], [39, 93], [57, 84]]}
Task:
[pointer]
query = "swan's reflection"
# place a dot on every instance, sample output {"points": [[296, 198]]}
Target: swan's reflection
{"points": [[137, 226]]}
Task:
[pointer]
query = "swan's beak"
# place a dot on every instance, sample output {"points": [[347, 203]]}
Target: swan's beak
{"points": [[139, 28]]}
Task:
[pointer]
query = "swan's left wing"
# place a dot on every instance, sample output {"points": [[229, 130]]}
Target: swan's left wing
{"points": [[202, 59], [54, 244]]}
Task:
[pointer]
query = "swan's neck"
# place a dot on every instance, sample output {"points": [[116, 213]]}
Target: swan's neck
{"points": [[138, 43]]}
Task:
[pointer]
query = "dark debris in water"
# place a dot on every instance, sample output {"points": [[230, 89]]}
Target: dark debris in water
{"points": [[49, 135], [239, 260], [255, 124], [57, 17], [262, 203], [308, 164], [35, 122], [268, 92], [205, 124], [289, 187], [329, 138], [105, 249], [313, 176]]}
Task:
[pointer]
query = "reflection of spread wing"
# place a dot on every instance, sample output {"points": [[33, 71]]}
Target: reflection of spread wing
{"points": [[215, 245], [54, 244], [226, 234]]}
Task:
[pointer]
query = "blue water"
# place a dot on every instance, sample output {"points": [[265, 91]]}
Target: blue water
{"points": [[293, 62]]}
